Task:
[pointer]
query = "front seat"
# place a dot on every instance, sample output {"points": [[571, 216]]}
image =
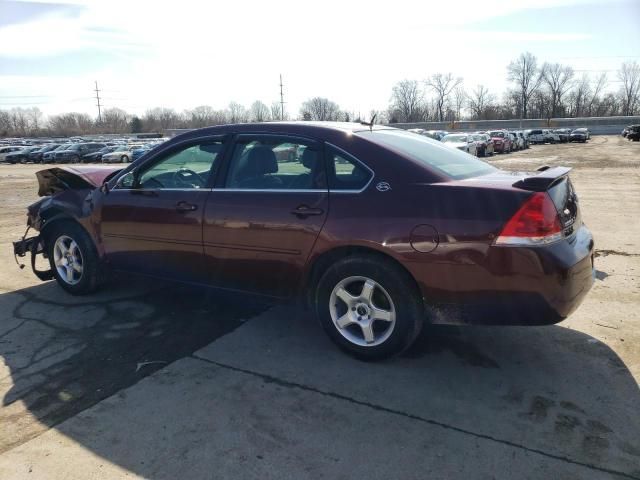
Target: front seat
{"points": [[256, 173]]}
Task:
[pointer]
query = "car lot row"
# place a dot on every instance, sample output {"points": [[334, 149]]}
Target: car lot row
{"points": [[485, 143], [75, 152]]}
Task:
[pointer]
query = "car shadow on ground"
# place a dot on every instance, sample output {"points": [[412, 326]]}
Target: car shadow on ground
{"points": [[547, 391], [63, 354]]}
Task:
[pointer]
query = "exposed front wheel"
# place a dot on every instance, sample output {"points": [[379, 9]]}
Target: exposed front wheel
{"points": [[72, 257], [369, 307]]}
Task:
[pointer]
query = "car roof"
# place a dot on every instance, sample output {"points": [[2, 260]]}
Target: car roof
{"points": [[303, 128]]}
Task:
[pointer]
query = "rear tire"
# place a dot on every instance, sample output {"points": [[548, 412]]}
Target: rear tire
{"points": [[369, 307], [73, 257]]}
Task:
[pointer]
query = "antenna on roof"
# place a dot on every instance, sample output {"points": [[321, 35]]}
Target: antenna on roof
{"points": [[370, 123]]}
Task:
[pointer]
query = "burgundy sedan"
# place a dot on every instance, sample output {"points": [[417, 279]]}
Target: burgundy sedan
{"points": [[378, 229]]}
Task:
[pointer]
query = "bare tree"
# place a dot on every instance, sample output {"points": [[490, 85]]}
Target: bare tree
{"points": [[407, 102], [479, 100], [525, 74], [629, 75], [115, 120], [558, 79], [259, 112], [577, 98], [200, 116], [442, 85], [319, 108], [460, 99], [594, 101], [238, 113]]}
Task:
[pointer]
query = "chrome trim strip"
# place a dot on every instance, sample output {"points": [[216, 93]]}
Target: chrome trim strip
{"points": [[273, 190]]}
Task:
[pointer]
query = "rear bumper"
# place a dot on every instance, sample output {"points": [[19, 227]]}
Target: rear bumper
{"points": [[511, 285]]}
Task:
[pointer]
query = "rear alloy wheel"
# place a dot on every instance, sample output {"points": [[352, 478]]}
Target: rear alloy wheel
{"points": [[73, 257], [369, 307]]}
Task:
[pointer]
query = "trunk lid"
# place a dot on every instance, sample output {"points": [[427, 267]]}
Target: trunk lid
{"points": [[58, 179]]}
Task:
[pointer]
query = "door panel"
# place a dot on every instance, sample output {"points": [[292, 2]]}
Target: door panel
{"points": [[259, 231], [253, 241], [157, 232]]}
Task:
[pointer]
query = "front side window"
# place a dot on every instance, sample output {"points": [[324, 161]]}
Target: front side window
{"points": [[345, 172], [187, 168], [275, 163]]}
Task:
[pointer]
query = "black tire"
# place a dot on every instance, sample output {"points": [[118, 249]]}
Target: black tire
{"points": [[401, 288], [89, 279], [124, 159]]}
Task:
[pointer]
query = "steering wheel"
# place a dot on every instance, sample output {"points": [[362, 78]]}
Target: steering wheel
{"points": [[188, 177]]}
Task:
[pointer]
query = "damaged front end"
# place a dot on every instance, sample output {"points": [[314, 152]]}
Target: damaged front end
{"points": [[66, 192]]}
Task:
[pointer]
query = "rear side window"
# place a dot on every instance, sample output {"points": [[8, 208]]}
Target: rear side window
{"points": [[345, 172], [275, 163], [450, 162]]}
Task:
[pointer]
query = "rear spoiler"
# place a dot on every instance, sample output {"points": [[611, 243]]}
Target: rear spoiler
{"points": [[544, 180]]}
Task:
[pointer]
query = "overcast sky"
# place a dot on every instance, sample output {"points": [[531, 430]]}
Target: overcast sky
{"points": [[185, 53]]}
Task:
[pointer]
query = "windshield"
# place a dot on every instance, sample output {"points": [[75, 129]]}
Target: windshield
{"points": [[497, 134], [447, 161], [455, 138]]}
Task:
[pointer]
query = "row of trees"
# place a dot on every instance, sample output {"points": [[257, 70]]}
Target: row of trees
{"points": [[549, 90]]}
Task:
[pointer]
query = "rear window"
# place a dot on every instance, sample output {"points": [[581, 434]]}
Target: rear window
{"points": [[448, 161]]}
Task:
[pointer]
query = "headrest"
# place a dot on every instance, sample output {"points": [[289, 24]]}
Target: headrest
{"points": [[261, 160], [309, 158]]}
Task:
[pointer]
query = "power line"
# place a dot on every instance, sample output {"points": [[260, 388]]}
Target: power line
{"points": [[98, 99]]}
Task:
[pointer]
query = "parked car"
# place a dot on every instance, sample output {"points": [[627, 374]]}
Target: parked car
{"points": [[484, 144], [49, 157], [578, 135], [585, 131], [36, 155], [138, 152], [516, 142], [535, 136], [525, 139], [122, 154], [437, 134], [96, 157], [634, 133], [9, 149], [448, 229], [19, 156], [625, 130], [462, 142], [563, 134], [501, 140], [550, 136], [76, 151]]}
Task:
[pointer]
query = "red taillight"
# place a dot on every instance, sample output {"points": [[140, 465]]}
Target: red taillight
{"points": [[536, 222]]}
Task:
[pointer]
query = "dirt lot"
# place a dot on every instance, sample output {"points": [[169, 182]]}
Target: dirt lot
{"points": [[165, 382]]}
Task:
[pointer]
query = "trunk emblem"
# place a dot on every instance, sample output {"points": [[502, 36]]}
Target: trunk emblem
{"points": [[383, 187]]}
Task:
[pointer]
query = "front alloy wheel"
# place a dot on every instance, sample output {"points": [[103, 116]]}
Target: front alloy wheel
{"points": [[362, 311], [67, 258]]}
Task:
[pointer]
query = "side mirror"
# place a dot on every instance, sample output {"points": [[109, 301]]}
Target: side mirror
{"points": [[127, 181]]}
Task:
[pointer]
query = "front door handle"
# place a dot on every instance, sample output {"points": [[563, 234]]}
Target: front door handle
{"points": [[304, 211], [186, 207]]}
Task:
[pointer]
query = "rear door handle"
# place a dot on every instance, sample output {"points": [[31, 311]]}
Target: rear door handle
{"points": [[304, 211], [186, 207]]}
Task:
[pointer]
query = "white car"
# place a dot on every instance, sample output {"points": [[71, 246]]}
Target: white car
{"points": [[462, 142], [550, 136], [120, 155]]}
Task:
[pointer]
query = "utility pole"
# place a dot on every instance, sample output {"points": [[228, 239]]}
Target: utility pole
{"points": [[98, 100], [281, 100]]}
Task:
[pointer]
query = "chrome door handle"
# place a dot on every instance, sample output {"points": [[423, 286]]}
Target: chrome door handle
{"points": [[303, 211], [186, 207]]}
